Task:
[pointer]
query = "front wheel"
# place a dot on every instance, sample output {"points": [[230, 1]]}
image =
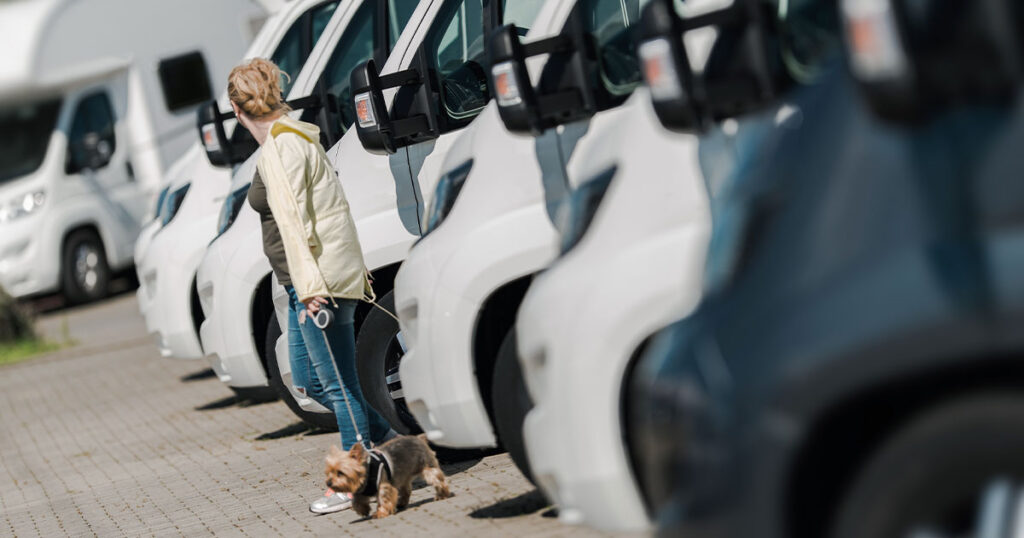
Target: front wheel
{"points": [[957, 471], [84, 269], [511, 402], [379, 350], [324, 421]]}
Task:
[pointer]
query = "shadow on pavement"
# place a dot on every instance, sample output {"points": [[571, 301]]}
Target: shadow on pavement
{"points": [[219, 404], [526, 503], [291, 430], [202, 374], [45, 304], [373, 506], [453, 468]]}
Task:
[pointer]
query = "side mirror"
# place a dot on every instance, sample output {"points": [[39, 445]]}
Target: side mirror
{"points": [[92, 152], [567, 94], [372, 121], [221, 150], [743, 73], [912, 58], [378, 130], [516, 98], [666, 68]]}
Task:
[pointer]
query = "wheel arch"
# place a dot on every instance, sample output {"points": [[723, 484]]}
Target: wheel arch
{"points": [[259, 315], [847, 432], [383, 283], [196, 307], [88, 225], [495, 318]]}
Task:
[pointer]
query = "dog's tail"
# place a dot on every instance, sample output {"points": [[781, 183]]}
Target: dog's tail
{"points": [[423, 437]]}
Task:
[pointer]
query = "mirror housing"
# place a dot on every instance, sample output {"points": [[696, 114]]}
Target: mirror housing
{"points": [[666, 68], [513, 92], [379, 130], [372, 121], [743, 72], [93, 152], [220, 149], [565, 95], [912, 59]]}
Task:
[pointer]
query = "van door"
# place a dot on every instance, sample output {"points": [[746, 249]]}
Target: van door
{"points": [[99, 171], [609, 24], [371, 33], [454, 46]]}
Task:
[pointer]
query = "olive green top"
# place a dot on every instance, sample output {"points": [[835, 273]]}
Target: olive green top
{"points": [[273, 246]]}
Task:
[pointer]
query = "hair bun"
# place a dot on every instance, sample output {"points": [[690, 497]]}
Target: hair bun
{"points": [[255, 86]]}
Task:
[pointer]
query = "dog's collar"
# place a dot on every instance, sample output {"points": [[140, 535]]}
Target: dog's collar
{"points": [[377, 467]]}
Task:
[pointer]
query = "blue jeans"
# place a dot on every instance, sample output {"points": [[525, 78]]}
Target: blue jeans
{"points": [[316, 375]]}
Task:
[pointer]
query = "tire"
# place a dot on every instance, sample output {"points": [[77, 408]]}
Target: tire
{"points": [[323, 421], [85, 273], [933, 473], [379, 350], [511, 402]]}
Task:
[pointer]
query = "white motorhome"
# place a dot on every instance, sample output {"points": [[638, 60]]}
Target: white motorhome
{"points": [[441, 49], [492, 228], [177, 238], [97, 100], [239, 332]]}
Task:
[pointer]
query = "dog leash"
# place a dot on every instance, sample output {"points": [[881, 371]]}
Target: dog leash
{"points": [[323, 319]]}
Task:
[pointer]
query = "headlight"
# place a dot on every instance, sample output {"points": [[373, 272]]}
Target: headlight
{"points": [[232, 206], [448, 188], [21, 206], [576, 214], [172, 203]]}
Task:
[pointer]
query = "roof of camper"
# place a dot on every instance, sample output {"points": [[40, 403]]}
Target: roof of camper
{"points": [[35, 62]]}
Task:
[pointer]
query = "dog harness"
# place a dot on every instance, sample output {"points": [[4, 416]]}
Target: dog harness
{"points": [[377, 468]]}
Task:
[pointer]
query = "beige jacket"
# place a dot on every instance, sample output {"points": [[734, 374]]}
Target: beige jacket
{"points": [[309, 206]]}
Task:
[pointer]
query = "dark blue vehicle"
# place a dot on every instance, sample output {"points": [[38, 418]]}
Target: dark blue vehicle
{"points": [[856, 368]]}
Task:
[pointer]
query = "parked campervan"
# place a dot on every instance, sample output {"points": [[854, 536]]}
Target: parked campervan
{"points": [[185, 225], [492, 225], [98, 100], [435, 76], [234, 282]]}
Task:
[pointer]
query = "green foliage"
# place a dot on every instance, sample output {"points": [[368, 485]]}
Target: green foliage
{"points": [[17, 351], [15, 321]]}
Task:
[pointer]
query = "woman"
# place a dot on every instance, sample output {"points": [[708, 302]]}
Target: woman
{"points": [[310, 239]]}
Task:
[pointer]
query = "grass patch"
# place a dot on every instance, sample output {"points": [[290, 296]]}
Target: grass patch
{"points": [[25, 349]]}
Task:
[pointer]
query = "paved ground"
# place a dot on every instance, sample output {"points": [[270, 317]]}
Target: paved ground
{"points": [[105, 438]]}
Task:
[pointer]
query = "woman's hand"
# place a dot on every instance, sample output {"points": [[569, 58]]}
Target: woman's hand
{"points": [[312, 306]]}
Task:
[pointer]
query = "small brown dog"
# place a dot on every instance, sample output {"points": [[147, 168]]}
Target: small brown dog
{"points": [[393, 464]]}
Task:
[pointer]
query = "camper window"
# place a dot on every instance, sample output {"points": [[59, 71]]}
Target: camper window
{"points": [[458, 54], [91, 141], [355, 47], [26, 131], [185, 81]]}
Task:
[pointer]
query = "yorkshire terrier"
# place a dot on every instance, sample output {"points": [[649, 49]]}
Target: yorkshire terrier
{"points": [[393, 465]]}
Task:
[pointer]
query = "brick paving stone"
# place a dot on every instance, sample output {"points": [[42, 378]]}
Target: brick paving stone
{"points": [[105, 439]]}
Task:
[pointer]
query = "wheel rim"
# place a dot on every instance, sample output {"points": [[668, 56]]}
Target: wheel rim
{"points": [[995, 511], [87, 267], [392, 359]]}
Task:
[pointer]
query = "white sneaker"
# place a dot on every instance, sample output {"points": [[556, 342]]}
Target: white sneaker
{"points": [[330, 502]]}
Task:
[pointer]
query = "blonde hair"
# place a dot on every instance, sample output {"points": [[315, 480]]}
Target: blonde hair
{"points": [[255, 86]]}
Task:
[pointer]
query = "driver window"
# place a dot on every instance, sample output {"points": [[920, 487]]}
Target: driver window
{"points": [[456, 47], [291, 54], [354, 48], [94, 116], [520, 13], [610, 23]]}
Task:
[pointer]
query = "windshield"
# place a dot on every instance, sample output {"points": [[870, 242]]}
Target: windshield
{"points": [[27, 128]]}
